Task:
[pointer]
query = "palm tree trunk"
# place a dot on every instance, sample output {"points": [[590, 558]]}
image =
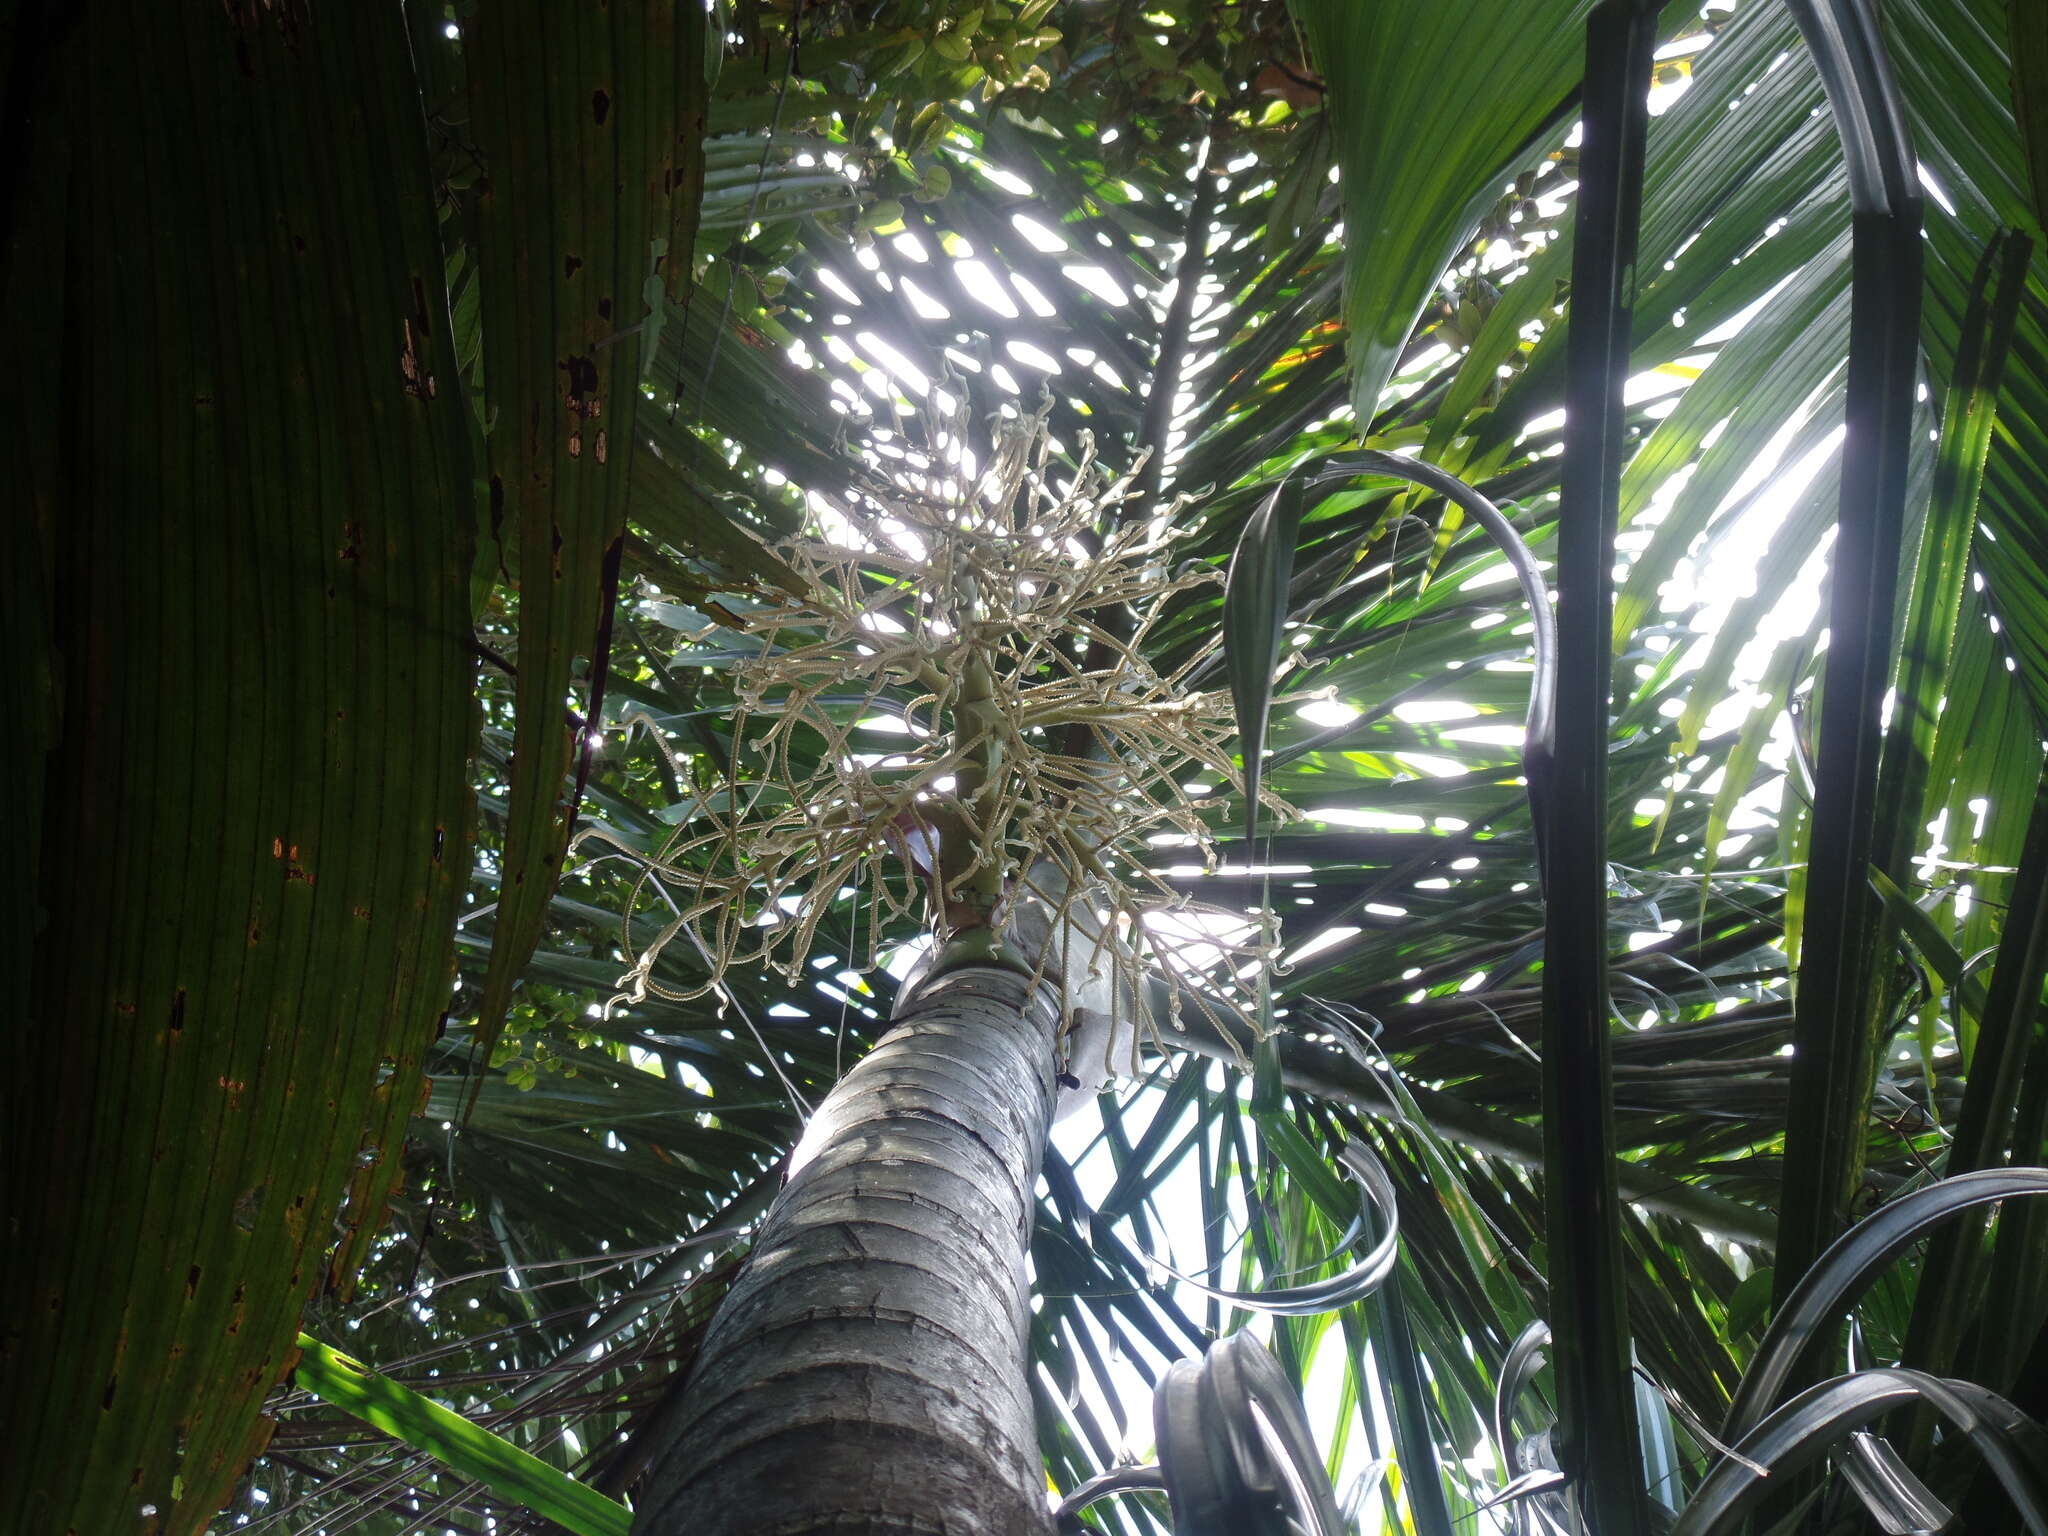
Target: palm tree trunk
{"points": [[868, 1370]]}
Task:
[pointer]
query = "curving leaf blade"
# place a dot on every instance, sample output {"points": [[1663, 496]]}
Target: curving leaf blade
{"points": [[1847, 1269], [589, 119], [448, 1437], [1430, 104], [1254, 623], [239, 567]]}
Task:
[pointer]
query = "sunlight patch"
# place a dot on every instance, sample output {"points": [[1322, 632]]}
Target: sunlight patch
{"points": [[927, 307], [1424, 711], [1041, 238], [1098, 282], [1378, 821], [1328, 712], [1488, 735], [982, 286], [1033, 357]]}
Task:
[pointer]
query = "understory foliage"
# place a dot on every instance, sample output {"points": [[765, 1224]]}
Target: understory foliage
{"points": [[822, 614]]}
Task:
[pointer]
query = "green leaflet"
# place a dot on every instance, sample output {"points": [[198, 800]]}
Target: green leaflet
{"points": [[1432, 103], [2030, 97], [448, 1437], [1940, 573], [1415, 1444], [1834, 1046], [246, 535], [1983, 1131], [1588, 1312], [1254, 621], [590, 122], [1932, 944]]}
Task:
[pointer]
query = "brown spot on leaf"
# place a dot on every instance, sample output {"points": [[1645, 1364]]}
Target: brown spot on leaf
{"points": [[290, 856], [575, 445], [600, 446], [600, 106], [604, 309], [581, 396], [569, 266], [192, 1282], [418, 382]]}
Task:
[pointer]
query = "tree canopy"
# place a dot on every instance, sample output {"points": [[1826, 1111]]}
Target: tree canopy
{"points": [[647, 294]]}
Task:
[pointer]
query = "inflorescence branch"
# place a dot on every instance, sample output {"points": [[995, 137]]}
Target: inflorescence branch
{"points": [[962, 605]]}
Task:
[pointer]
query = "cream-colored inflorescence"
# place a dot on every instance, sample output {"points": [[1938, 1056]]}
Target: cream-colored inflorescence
{"points": [[967, 611]]}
